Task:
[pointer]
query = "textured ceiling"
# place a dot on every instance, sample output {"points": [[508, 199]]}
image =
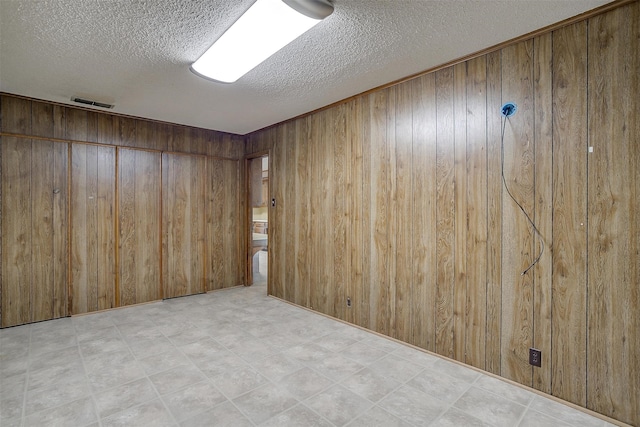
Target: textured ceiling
{"points": [[136, 53]]}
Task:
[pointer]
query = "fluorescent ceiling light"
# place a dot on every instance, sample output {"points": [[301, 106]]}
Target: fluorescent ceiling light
{"points": [[264, 29]]}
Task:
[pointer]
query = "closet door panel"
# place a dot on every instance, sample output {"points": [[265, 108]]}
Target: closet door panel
{"points": [[34, 230], [183, 197], [139, 216], [93, 229]]}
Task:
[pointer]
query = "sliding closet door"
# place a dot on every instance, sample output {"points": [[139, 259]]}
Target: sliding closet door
{"points": [[34, 230], [93, 184], [224, 226], [139, 220], [184, 209]]}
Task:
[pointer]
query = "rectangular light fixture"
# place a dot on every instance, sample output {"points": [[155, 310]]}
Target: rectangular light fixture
{"points": [[261, 31]]}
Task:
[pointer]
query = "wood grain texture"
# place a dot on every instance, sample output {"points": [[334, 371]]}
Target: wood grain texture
{"points": [[34, 230], [215, 225], [15, 115], [92, 231], [290, 211], [233, 260], [517, 236], [493, 345], [403, 201], [139, 186], [379, 189], [364, 295], [445, 212], [568, 305], [470, 241], [42, 256], [424, 212], [183, 196], [460, 211], [302, 200], [226, 258], [569, 213], [340, 213], [16, 231], [543, 215], [613, 328], [277, 225], [475, 240], [42, 121], [28, 117], [354, 229]]}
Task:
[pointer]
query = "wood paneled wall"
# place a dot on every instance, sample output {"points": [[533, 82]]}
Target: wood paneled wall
{"points": [[396, 199], [34, 208], [102, 211], [93, 237], [139, 221], [225, 228]]}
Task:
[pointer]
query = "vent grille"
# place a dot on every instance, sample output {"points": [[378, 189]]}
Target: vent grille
{"points": [[93, 103]]}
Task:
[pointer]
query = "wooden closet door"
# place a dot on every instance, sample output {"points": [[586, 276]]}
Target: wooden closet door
{"points": [[184, 209], [93, 182], [224, 225], [139, 219], [34, 230]]}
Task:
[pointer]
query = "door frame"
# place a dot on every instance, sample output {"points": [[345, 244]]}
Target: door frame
{"points": [[249, 217]]}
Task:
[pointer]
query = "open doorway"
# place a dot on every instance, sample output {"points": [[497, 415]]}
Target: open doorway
{"points": [[258, 220]]}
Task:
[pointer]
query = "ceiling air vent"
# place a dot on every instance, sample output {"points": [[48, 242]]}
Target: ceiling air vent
{"points": [[94, 103]]}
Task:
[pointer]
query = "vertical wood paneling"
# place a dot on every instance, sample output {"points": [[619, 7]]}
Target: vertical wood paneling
{"points": [[42, 256], [315, 204], [424, 212], [92, 231], [404, 220], [340, 213], [379, 189], [80, 230], [352, 182], [139, 175], [60, 220], [303, 218], [34, 230], [363, 296], [613, 328], [277, 226], [232, 261], [92, 208], [460, 211], [183, 196], [225, 263], [493, 345], [470, 241], [290, 211], [517, 236], [354, 247], [16, 230], [16, 115], [542, 273], [215, 225], [392, 209], [476, 212], [445, 212], [569, 213], [42, 122]]}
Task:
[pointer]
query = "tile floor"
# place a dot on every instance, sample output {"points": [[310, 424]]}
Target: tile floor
{"points": [[239, 358]]}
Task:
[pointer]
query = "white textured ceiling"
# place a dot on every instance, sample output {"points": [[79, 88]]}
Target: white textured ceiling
{"points": [[136, 53]]}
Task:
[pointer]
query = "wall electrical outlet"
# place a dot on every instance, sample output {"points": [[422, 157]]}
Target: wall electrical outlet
{"points": [[535, 357]]}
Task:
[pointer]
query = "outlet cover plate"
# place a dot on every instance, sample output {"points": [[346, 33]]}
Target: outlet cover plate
{"points": [[535, 357]]}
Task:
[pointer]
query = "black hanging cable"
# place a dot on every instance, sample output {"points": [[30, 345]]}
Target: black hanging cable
{"points": [[504, 182]]}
